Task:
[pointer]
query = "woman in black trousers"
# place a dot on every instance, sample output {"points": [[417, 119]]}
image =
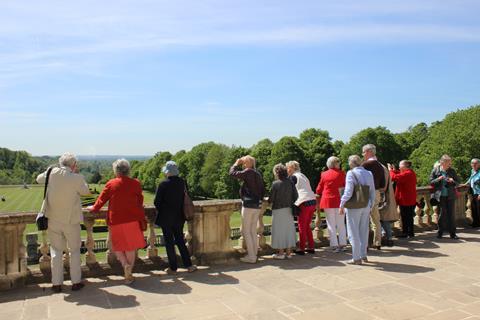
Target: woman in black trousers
{"points": [[169, 204], [445, 180]]}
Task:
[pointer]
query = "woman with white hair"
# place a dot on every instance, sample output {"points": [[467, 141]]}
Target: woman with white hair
{"points": [[332, 182], [445, 180], [358, 219], [125, 215], [307, 203]]}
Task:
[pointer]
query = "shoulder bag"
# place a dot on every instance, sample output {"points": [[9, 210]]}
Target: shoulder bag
{"points": [[42, 220], [360, 195]]}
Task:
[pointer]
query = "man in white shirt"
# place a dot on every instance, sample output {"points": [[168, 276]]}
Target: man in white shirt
{"points": [[64, 212]]}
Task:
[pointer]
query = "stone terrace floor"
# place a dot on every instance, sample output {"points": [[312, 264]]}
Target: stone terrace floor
{"points": [[420, 279]]}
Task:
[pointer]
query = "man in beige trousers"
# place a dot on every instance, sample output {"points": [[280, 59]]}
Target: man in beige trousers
{"points": [[64, 212], [371, 163]]}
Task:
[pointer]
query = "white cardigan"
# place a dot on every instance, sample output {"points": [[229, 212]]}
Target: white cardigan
{"points": [[305, 192]]}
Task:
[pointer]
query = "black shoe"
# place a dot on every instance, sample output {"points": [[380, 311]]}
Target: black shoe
{"points": [[378, 247], [389, 243], [475, 226], [439, 235], [56, 289], [311, 251], [77, 286], [411, 236], [402, 236], [454, 237], [300, 252]]}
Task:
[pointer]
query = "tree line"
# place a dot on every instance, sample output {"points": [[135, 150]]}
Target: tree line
{"points": [[205, 166]]}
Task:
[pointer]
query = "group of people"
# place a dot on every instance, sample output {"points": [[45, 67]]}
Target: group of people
{"points": [[125, 217], [291, 196], [392, 196]]}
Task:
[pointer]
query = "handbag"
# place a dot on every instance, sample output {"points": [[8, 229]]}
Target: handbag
{"points": [[42, 220], [188, 207], [360, 196]]}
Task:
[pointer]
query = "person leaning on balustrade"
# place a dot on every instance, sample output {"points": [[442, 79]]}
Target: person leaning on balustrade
{"points": [[474, 184], [372, 164], [330, 186], [444, 180], [282, 197], [307, 203], [405, 194], [358, 219], [169, 202], [64, 212], [125, 215], [252, 192]]}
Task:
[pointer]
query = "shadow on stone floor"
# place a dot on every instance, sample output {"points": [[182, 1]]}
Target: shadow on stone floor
{"points": [[398, 267]]}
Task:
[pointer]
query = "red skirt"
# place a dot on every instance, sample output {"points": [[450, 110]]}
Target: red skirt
{"points": [[127, 236]]}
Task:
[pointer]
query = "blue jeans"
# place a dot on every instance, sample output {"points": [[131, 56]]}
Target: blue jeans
{"points": [[358, 226], [387, 227]]}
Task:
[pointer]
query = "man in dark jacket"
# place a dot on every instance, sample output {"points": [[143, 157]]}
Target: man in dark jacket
{"points": [[251, 193], [170, 217], [371, 164], [445, 180]]}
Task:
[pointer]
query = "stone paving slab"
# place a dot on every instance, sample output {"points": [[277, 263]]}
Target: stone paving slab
{"points": [[422, 279]]}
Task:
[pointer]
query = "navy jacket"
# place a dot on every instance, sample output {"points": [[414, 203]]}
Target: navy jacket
{"points": [[169, 202]]}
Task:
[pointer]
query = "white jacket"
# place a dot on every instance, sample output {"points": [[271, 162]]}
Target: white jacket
{"points": [[305, 192], [63, 195]]}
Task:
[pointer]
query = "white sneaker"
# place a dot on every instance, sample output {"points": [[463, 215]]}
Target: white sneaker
{"points": [[288, 256], [277, 256], [248, 260]]}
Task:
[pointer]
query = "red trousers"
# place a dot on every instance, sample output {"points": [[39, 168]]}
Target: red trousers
{"points": [[304, 230]]}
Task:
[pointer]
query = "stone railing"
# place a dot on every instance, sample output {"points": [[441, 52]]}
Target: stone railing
{"points": [[208, 237]]}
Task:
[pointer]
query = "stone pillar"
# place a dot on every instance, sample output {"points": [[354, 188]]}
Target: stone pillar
{"points": [[461, 206], [318, 231], [262, 241], [90, 257], [32, 248], [111, 258], [211, 231], [13, 258], [45, 259], [152, 251]]}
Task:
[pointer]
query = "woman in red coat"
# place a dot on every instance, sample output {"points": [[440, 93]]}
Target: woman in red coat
{"points": [[405, 194], [125, 216], [328, 190]]}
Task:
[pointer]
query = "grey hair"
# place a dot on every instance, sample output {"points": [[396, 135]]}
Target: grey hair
{"points": [[475, 160], [67, 159], [121, 167], [445, 158], [354, 161], [370, 147], [280, 172], [293, 164], [332, 162]]}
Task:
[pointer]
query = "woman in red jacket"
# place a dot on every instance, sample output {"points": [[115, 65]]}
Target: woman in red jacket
{"points": [[125, 217], [328, 190], [405, 194]]}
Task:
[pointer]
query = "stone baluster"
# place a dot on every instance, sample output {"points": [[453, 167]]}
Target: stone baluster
{"points": [[152, 251], [428, 209], [66, 258], [318, 231], [45, 259], [262, 242], [189, 236], [22, 250], [468, 212], [111, 258], [90, 257]]}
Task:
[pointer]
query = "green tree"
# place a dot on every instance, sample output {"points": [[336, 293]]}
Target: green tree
{"points": [[227, 187], [458, 135], [262, 152], [412, 138], [211, 169], [388, 149], [150, 173]]}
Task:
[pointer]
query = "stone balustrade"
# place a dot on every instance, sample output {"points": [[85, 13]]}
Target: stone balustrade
{"points": [[208, 236]]}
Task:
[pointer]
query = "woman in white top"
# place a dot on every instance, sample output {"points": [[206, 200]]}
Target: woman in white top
{"points": [[307, 204], [358, 219]]}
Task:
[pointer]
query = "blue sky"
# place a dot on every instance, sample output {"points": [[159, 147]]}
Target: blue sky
{"points": [[137, 77]]}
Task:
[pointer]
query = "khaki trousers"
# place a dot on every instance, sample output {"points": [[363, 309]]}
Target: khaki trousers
{"points": [[250, 218], [375, 221], [64, 236]]}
